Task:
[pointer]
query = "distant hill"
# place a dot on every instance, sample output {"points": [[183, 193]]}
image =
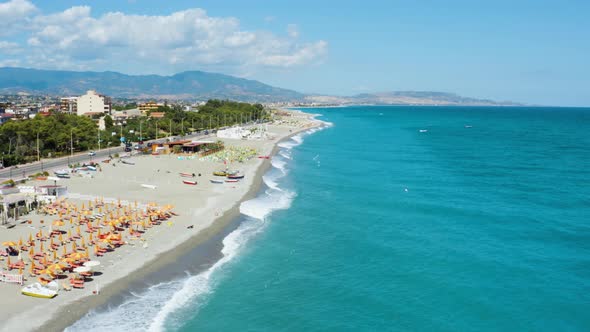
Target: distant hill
{"points": [[408, 98], [202, 85], [185, 85]]}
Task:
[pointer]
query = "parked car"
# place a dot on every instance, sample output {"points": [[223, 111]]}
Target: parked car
{"points": [[127, 149], [92, 153]]}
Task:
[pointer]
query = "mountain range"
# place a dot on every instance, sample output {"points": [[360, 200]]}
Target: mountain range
{"points": [[202, 86]]}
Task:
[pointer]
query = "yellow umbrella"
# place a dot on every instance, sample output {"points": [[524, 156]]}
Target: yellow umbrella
{"points": [[20, 242], [60, 238], [71, 220], [9, 243], [8, 262], [51, 242], [41, 246], [74, 246], [58, 223], [82, 242], [65, 251], [32, 252], [30, 237], [20, 270], [78, 230], [98, 234], [90, 237], [69, 233], [32, 268], [87, 254], [54, 255]]}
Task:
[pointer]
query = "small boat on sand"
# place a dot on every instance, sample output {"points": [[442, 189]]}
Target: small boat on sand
{"points": [[232, 180], [187, 175], [264, 157], [64, 174], [127, 162], [236, 176], [37, 290], [149, 186], [220, 173], [192, 183], [216, 181]]}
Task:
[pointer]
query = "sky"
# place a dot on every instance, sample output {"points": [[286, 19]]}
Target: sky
{"points": [[528, 51]]}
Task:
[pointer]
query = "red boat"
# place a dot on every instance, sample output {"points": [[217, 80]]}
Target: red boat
{"points": [[264, 157], [231, 180], [187, 175], [192, 183]]}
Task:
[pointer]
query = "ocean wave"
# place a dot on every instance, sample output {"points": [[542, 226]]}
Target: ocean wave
{"points": [[279, 164], [262, 206]]}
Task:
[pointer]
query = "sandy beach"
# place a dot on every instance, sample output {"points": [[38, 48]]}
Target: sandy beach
{"points": [[203, 210]]}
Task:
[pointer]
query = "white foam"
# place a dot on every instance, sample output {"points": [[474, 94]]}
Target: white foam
{"points": [[262, 206], [279, 164], [285, 154]]}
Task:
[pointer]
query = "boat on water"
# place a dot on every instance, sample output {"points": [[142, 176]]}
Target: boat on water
{"points": [[232, 180], [40, 291], [423, 130], [236, 176], [192, 183], [187, 175], [468, 126], [216, 181]]}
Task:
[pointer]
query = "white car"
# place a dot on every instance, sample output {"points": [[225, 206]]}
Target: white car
{"points": [[92, 153]]}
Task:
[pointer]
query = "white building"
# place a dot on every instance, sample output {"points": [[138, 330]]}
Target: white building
{"points": [[93, 103], [69, 105]]}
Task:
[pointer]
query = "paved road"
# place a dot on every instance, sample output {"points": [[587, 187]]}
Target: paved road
{"points": [[22, 171]]}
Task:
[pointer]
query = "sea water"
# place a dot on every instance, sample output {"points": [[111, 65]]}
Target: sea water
{"points": [[400, 219]]}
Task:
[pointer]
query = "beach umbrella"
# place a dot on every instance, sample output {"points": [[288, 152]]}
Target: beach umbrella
{"points": [[96, 250], [58, 223], [41, 246], [60, 238], [92, 264], [69, 233], [9, 244], [54, 255], [78, 230], [8, 263], [65, 251], [98, 234], [74, 246], [32, 269], [51, 243], [86, 252], [82, 269], [82, 242], [20, 241], [76, 256], [90, 237], [32, 251], [30, 238], [20, 270]]}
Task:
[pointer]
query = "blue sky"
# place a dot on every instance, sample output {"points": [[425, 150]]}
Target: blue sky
{"points": [[527, 51]]}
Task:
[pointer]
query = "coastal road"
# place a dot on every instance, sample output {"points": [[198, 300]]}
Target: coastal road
{"points": [[22, 171]]}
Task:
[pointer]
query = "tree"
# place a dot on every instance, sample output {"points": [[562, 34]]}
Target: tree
{"points": [[108, 121]]}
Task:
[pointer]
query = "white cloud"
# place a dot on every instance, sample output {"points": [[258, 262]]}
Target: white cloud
{"points": [[182, 40], [293, 30], [14, 15]]}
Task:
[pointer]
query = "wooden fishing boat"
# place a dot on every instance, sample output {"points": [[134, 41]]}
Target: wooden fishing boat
{"points": [[187, 175], [127, 162], [192, 183], [220, 173], [236, 176], [264, 157], [232, 180], [216, 181], [41, 178]]}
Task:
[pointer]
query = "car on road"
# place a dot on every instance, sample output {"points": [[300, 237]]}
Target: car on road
{"points": [[92, 153]]}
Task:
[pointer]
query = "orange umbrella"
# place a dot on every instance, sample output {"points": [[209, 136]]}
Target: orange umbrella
{"points": [[98, 234], [60, 238], [20, 242], [32, 252], [54, 255], [30, 237], [90, 237], [41, 246], [65, 251], [32, 268]]}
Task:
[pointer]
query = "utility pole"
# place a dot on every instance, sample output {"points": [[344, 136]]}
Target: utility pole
{"points": [[38, 153], [182, 126], [98, 139], [140, 136], [72, 142], [156, 129], [170, 128]]}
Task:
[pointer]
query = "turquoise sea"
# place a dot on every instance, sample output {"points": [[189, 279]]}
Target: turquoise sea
{"points": [[400, 219]]}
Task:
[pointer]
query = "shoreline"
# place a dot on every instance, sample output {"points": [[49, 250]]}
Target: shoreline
{"points": [[71, 312]]}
